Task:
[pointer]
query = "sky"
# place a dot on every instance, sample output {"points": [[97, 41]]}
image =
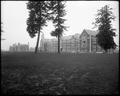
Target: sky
{"points": [[79, 16]]}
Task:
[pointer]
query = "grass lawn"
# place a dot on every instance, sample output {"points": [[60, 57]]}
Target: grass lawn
{"points": [[29, 73]]}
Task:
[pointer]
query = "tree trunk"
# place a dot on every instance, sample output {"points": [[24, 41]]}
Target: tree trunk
{"points": [[106, 51], [58, 5], [38, 38], [36, 48], [58, 44]]}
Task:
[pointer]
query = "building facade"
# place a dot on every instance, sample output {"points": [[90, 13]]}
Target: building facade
{"points": [[88, 41], [78, 43], [19, 47]]}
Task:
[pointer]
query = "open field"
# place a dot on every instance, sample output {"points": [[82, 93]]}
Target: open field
{"points": [[29, 73]]}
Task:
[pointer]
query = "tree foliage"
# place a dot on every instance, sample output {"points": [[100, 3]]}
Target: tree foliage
{"points": [[37, 18], [57, 14], [106, 32]]}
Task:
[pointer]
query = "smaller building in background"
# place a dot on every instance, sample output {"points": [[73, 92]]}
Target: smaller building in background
{"points": [[31, 49], [19, 47]]}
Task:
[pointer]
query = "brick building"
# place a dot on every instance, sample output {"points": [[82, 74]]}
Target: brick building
{"points": [[88, 41], [84, 42]]}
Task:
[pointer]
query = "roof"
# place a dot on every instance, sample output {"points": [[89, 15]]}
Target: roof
{"points": [[90, 32], [71, 36], [77, 35], [49, 40], [67, 37]]}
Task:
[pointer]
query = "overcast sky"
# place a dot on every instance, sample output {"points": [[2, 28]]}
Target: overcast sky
{"points": [[80, 15]]}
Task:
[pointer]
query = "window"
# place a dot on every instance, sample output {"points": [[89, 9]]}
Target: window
{"points": [[83, 41]]}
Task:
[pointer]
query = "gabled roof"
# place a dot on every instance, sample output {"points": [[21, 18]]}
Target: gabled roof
{"points": [[90, 32]]}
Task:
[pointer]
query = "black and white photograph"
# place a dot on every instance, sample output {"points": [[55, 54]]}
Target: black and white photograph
{"points": [[60, 47]]}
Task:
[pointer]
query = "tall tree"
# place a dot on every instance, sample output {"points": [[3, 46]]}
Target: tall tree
{"points": [[58, 12], [37, 18], [106, 32]]}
